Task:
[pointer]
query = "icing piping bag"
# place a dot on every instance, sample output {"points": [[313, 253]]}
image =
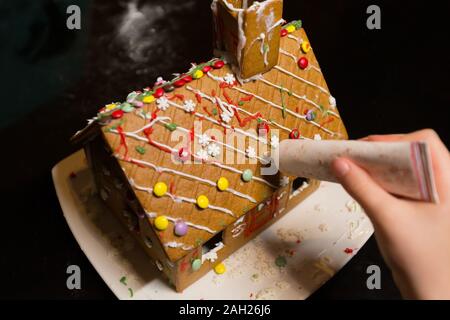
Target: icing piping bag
{"points": [[401, 168]]}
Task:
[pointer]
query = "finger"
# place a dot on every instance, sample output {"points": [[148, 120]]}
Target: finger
{"points": [[358, 183]]}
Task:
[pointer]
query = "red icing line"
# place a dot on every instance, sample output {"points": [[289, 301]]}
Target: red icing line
{"points": [[326, 122], [148, 132], [192, 134], [123, 141], [213, 92], [227, 97], [198, 97], [206, 110], [247, 98]]}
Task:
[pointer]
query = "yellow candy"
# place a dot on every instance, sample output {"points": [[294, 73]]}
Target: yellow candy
{"points": [[203, 202], [197, 74], [290, 28], [306, 46], [160, 189], [148, 99], [222, 184], [161, 223], [109, 107], [220, 268]]}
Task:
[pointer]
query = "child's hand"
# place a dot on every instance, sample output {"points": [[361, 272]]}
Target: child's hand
{"points": [[414, 237]]}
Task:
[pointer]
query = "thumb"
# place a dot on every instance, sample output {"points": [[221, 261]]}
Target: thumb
{"points": [[360, 185]]}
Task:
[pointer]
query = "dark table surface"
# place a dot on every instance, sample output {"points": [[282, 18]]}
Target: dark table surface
{"points": [[52, 79]]}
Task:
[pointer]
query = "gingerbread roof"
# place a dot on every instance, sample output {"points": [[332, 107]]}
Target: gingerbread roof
{"points": [[159, 133]]}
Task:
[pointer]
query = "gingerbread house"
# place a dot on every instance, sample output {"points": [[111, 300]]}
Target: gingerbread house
{"points": [[179, 163]]}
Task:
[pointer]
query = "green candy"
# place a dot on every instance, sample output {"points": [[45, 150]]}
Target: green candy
{"points": [[196, 264], [132, 95], [171, 126], [126, 107], [247, 175]]}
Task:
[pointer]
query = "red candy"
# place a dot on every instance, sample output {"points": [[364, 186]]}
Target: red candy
{"points": [[284, 32], [295, 134], [158, 93], [206, 69], [303, 63], [117, 114], [187, 79], [218, 64], [179, 83]]}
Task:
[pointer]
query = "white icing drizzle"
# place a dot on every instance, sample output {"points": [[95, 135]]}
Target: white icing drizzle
{"points": [[180, 198], [302, 79], [281, 108], [310, 66], [212, 254], [298, 40], [178, 245], [304, 97], [221, 104], [174, 220], [183, 174], [215, 163]]}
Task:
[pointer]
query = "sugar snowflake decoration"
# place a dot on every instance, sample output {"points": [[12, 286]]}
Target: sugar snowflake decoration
{"points": [[162, 103], [189, 106], [274, 141], [251, 153], [202, 154], [229, 79], [225, 117], [213, 150], [204, 140]]}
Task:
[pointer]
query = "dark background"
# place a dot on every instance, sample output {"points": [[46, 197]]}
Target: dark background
{"points": [[52, 79]]}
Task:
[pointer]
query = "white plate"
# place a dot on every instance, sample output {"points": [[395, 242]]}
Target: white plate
{"points": [[312, 240]]}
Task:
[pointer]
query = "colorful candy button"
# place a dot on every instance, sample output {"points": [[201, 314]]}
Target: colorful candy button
{"points": [[110, 107], [161, 223], [222, 183], [181, 228], [179, 83], [303, 63], [187, 79], [218, 64], [247, 175], [160, 189], [305, 46], [295, 134], [206, 69], [202, 202], [148, 99], [290, 28], [197, 74], [126, 107], [196, 264], [117, 114], [158, 93], [169, 87], [220, 268], [284, 32]]}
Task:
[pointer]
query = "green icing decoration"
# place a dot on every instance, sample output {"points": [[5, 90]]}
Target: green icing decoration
{"points": [[140, 149], [282, 101], [241, 103], [281, 261], [266, 48], [132, 95], [131, 292], [171, 126], [214, 111], [123, 280], [297, 24]]}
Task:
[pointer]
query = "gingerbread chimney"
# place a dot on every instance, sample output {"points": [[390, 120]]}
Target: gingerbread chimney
{"points": [[247, 32]]}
